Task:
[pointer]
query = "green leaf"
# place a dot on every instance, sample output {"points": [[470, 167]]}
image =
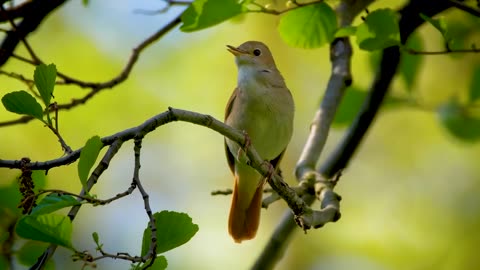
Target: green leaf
{"points": [[346, 31], [409, 64], [39, 178], [4, 264], [474, 94], [310, 26], [352, 102], [349, 107], [379, 30], [44, 77], [28, 254], [85, 2], [54, 202], [160, 263], [95, 238], [459, 121], [10, 195], [10, 198], [50, 228], [173, 230], [439, 24], [88, 156], [205, 13], [22, 102]]}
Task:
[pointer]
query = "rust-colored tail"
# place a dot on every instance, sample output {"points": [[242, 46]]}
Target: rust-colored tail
{"points": [[244, 216]]}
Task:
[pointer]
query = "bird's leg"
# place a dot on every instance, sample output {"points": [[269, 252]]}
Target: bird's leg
{"points": [[271, 170], [242, 151]]}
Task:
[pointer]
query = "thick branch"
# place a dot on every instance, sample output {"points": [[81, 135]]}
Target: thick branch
{"points": [[340, 78], [338, 160], [19, 11], [39, 9]]}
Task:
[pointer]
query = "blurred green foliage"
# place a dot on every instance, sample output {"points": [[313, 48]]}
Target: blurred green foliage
{"points": [[409, 196]]}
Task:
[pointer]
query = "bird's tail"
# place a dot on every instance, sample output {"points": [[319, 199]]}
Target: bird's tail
{"points": [[244, 215]]}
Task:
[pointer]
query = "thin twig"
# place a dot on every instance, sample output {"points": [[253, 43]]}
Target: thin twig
{"points": [[92, 180], [123, 75], [465, 7], [95, 88], [168, 5], [62, 142], [151, 254], [264, 9], [443, 52]]}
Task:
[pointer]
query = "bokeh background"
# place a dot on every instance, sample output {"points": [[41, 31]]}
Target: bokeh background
{"points": [[410, 194]]}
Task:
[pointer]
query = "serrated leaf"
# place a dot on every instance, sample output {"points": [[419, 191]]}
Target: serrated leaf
{"points": [[21, 102], [28, 254], [173, 230], [459, 121], [44, 77], [50, 228], [379, 30], [205, 13], [308, 27], [439, 24], [409, 64], [346, 31], [88, 156], [474, 93], [54, 202]]}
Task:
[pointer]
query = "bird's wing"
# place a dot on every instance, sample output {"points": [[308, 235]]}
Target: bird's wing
{"points": [[228, 109]]}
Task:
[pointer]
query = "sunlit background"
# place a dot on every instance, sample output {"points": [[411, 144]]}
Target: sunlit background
{"points": [[410, 195]]}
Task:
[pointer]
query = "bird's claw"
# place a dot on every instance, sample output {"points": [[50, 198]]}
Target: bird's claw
{"points": [[242, 152], [271, 169]]}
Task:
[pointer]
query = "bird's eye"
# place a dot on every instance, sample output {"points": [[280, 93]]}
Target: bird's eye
{"points": [[257, 52]]}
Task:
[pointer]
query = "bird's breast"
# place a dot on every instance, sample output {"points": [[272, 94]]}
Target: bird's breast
{"points": [[266, 114]]}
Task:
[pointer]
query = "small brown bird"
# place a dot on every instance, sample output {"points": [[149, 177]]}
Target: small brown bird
{"points": [[263, 107]]}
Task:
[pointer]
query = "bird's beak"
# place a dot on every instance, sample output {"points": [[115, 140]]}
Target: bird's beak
{"points": [[235, 51]]}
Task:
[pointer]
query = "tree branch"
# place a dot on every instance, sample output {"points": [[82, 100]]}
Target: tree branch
{"points": [[39, 9], [339, 158], [96, 87], [465, 7], [448, 51], [92, 180]]}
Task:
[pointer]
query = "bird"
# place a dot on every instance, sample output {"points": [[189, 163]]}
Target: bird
{"points": [[262, 107]]}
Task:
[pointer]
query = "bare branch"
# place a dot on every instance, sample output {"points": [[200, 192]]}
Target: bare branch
{"points": [[339, 158], [151, 254], [92, 180], [38, 10], [340, 78], [123, 75], [304, 216], [448, 51], [462, 6], [95, 88], [266, 9]]}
